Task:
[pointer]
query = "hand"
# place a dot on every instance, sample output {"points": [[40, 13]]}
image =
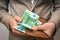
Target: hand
{"points": [[14, 23], [48, 28]]}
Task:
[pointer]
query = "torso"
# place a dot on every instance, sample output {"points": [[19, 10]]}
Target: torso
{"points": [[42, 8]]}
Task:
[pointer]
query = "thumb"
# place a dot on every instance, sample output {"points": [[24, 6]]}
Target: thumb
{"points": [[17, 18], [38, 28]]}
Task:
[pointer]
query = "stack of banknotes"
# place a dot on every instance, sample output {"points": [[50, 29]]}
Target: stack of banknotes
{"points": [[30, 20]]}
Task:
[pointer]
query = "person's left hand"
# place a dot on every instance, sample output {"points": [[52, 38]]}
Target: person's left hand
{"points": [[48, 28]]}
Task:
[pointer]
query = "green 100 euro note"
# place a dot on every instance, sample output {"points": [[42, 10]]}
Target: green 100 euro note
{"points": [[30, 20]]}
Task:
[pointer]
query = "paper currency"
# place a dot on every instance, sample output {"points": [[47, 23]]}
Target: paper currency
{"points": [[30, 20]]}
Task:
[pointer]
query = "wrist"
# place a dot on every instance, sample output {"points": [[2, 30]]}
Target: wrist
{"points": [[52, 28]]}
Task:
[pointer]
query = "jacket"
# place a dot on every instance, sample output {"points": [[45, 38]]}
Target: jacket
{"points": [[48, 9]]}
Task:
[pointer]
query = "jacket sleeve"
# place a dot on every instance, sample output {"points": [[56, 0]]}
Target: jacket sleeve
{"points": [[56, 14], [4, 16]]}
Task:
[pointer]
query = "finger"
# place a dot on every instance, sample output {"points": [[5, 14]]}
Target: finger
{"points": [[13, 23], [17, 18], [38, 28]]}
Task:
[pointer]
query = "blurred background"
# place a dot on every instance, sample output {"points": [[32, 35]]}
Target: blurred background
{"points": [[4, 33]]}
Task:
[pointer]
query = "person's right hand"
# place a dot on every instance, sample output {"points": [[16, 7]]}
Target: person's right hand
{"points": [[13, 22]]}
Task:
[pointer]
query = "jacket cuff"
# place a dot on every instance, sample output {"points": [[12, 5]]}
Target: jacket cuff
{"points": [[55, 18], [5, 17]]}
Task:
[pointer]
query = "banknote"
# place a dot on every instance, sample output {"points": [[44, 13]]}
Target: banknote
{"points": [[30, 20]]}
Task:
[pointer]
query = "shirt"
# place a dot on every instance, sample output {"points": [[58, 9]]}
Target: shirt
{"points": [[32, 1]]}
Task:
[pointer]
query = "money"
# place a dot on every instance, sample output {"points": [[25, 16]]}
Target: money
{"points": [[21, 28], [30, 20]]}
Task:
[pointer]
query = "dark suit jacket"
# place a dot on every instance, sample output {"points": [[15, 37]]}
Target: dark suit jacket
{"points": [[48, 9]]}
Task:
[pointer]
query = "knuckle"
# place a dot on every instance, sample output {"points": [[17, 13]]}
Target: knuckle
{"points": [[16, 17]]}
